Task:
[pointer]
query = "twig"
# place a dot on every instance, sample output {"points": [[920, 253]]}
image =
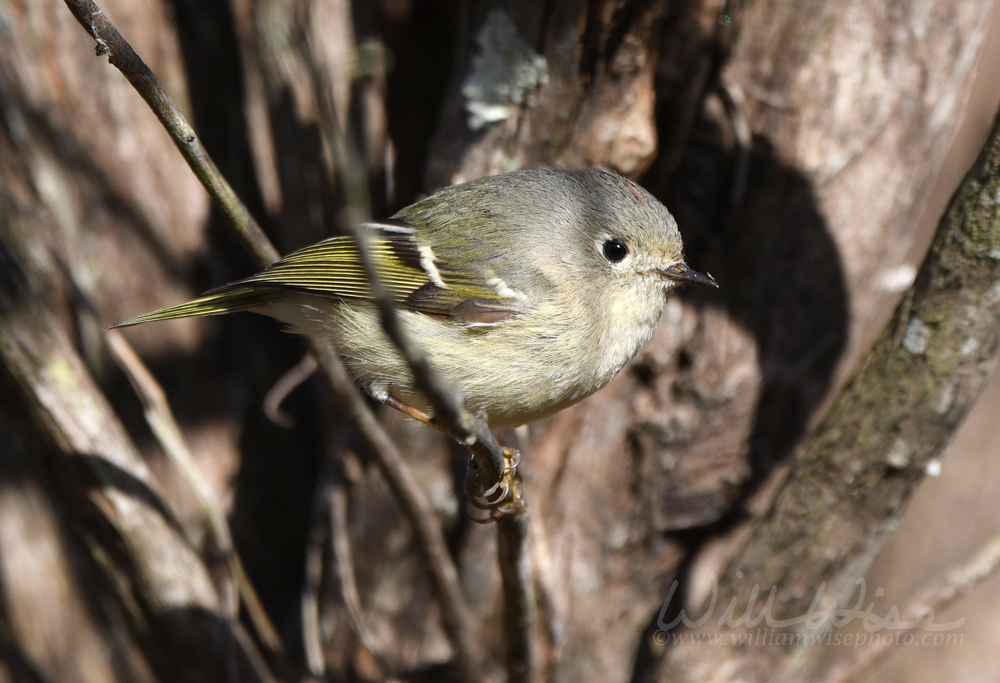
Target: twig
{"points": [[244, 642], [519, 598], [457, 619], [341, 544], [168, 433], [122, 56], [487, 459], [391, 464], [489, 469], [454, 612], [930, 599], [160, 418], [312, 642], [449, 412], [330, 512], [732, 97], [288, 383]]}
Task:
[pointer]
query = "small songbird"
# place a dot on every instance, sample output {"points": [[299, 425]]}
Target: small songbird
{"points": [[527, 291]]}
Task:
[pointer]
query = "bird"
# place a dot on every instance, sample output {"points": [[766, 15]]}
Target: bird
{"points": [[527, 291]]}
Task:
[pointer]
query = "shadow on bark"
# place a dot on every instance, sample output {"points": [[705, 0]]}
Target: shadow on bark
{"points": [[779, 273], [278, 469], [79, 559], [781, 279]]}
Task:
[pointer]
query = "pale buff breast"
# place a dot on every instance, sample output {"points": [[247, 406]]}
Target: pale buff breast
{"points": [[517, 371]]}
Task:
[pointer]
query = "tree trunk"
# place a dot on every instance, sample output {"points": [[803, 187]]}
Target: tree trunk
{"points": [[852, 477]]}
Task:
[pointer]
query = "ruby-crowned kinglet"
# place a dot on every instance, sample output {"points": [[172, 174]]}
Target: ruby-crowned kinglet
{"points": [[528, 291]]}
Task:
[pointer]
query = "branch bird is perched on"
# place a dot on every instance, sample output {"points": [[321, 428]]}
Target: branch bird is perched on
{"points": [[528, 291]]}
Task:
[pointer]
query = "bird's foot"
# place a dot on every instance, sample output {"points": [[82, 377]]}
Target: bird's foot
{"points": [[501, 500]]}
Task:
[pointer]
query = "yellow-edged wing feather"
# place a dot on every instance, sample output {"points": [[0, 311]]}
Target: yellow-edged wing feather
{"points": [[333, 269]]}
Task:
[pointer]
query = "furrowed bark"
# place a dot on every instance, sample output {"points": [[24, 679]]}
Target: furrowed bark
{"points": [[852, 478]]}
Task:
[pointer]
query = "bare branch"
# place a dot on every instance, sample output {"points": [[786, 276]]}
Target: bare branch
{"points": [[163, 583], [167, 432], [111, 43], [288, 383], [458, 622], [488, 467], [449, 412], [330, 512], [518, 593], [341, 542], [312, 642], [732, 95], [412, 501]]}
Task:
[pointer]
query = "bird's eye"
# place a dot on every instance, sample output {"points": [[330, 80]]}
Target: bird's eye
{"points": [[615, 250]]}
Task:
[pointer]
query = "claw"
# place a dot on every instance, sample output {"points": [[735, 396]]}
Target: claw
{"points": [[503, 499], [499, 500]]}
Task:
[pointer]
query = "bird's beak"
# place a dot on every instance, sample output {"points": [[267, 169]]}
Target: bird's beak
{"points": [[680, 272]]}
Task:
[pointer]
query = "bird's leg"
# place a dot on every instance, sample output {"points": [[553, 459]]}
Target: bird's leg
{"points": [[500, 499], [418, 415]]}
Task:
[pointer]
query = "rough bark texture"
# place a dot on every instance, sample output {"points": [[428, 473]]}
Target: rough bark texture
{"points": [[596, 107], [111, 529], [729, 382], [863, 100], [852, 478], [792, 140]]}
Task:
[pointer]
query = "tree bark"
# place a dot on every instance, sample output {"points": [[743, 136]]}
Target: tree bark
{"points": [[63, 442], [851, 479], [731, 379]]}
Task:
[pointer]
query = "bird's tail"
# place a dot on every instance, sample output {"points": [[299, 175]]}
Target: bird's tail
{"points": [[210, 304]]}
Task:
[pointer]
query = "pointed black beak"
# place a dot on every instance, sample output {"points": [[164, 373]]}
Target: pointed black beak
{"points": [[680, 272]]}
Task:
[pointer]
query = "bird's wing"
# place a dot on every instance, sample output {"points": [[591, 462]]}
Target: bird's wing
{"points": [[410, 271]]}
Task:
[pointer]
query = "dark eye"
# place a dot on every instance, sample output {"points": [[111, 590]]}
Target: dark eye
{"points": [[615, 250]]}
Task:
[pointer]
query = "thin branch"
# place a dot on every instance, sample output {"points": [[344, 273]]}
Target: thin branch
{"points": [[520, 607], [257, 662], [732, 96], [341, 543], [449, 411], [158, 578], [167, 432], [412, 501], [489, 469], [330, 513], [122, 56], [457, 619], [312, 641], [932, 598], [288, 383], [458, 622], [160, 418], [487, 458]]}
